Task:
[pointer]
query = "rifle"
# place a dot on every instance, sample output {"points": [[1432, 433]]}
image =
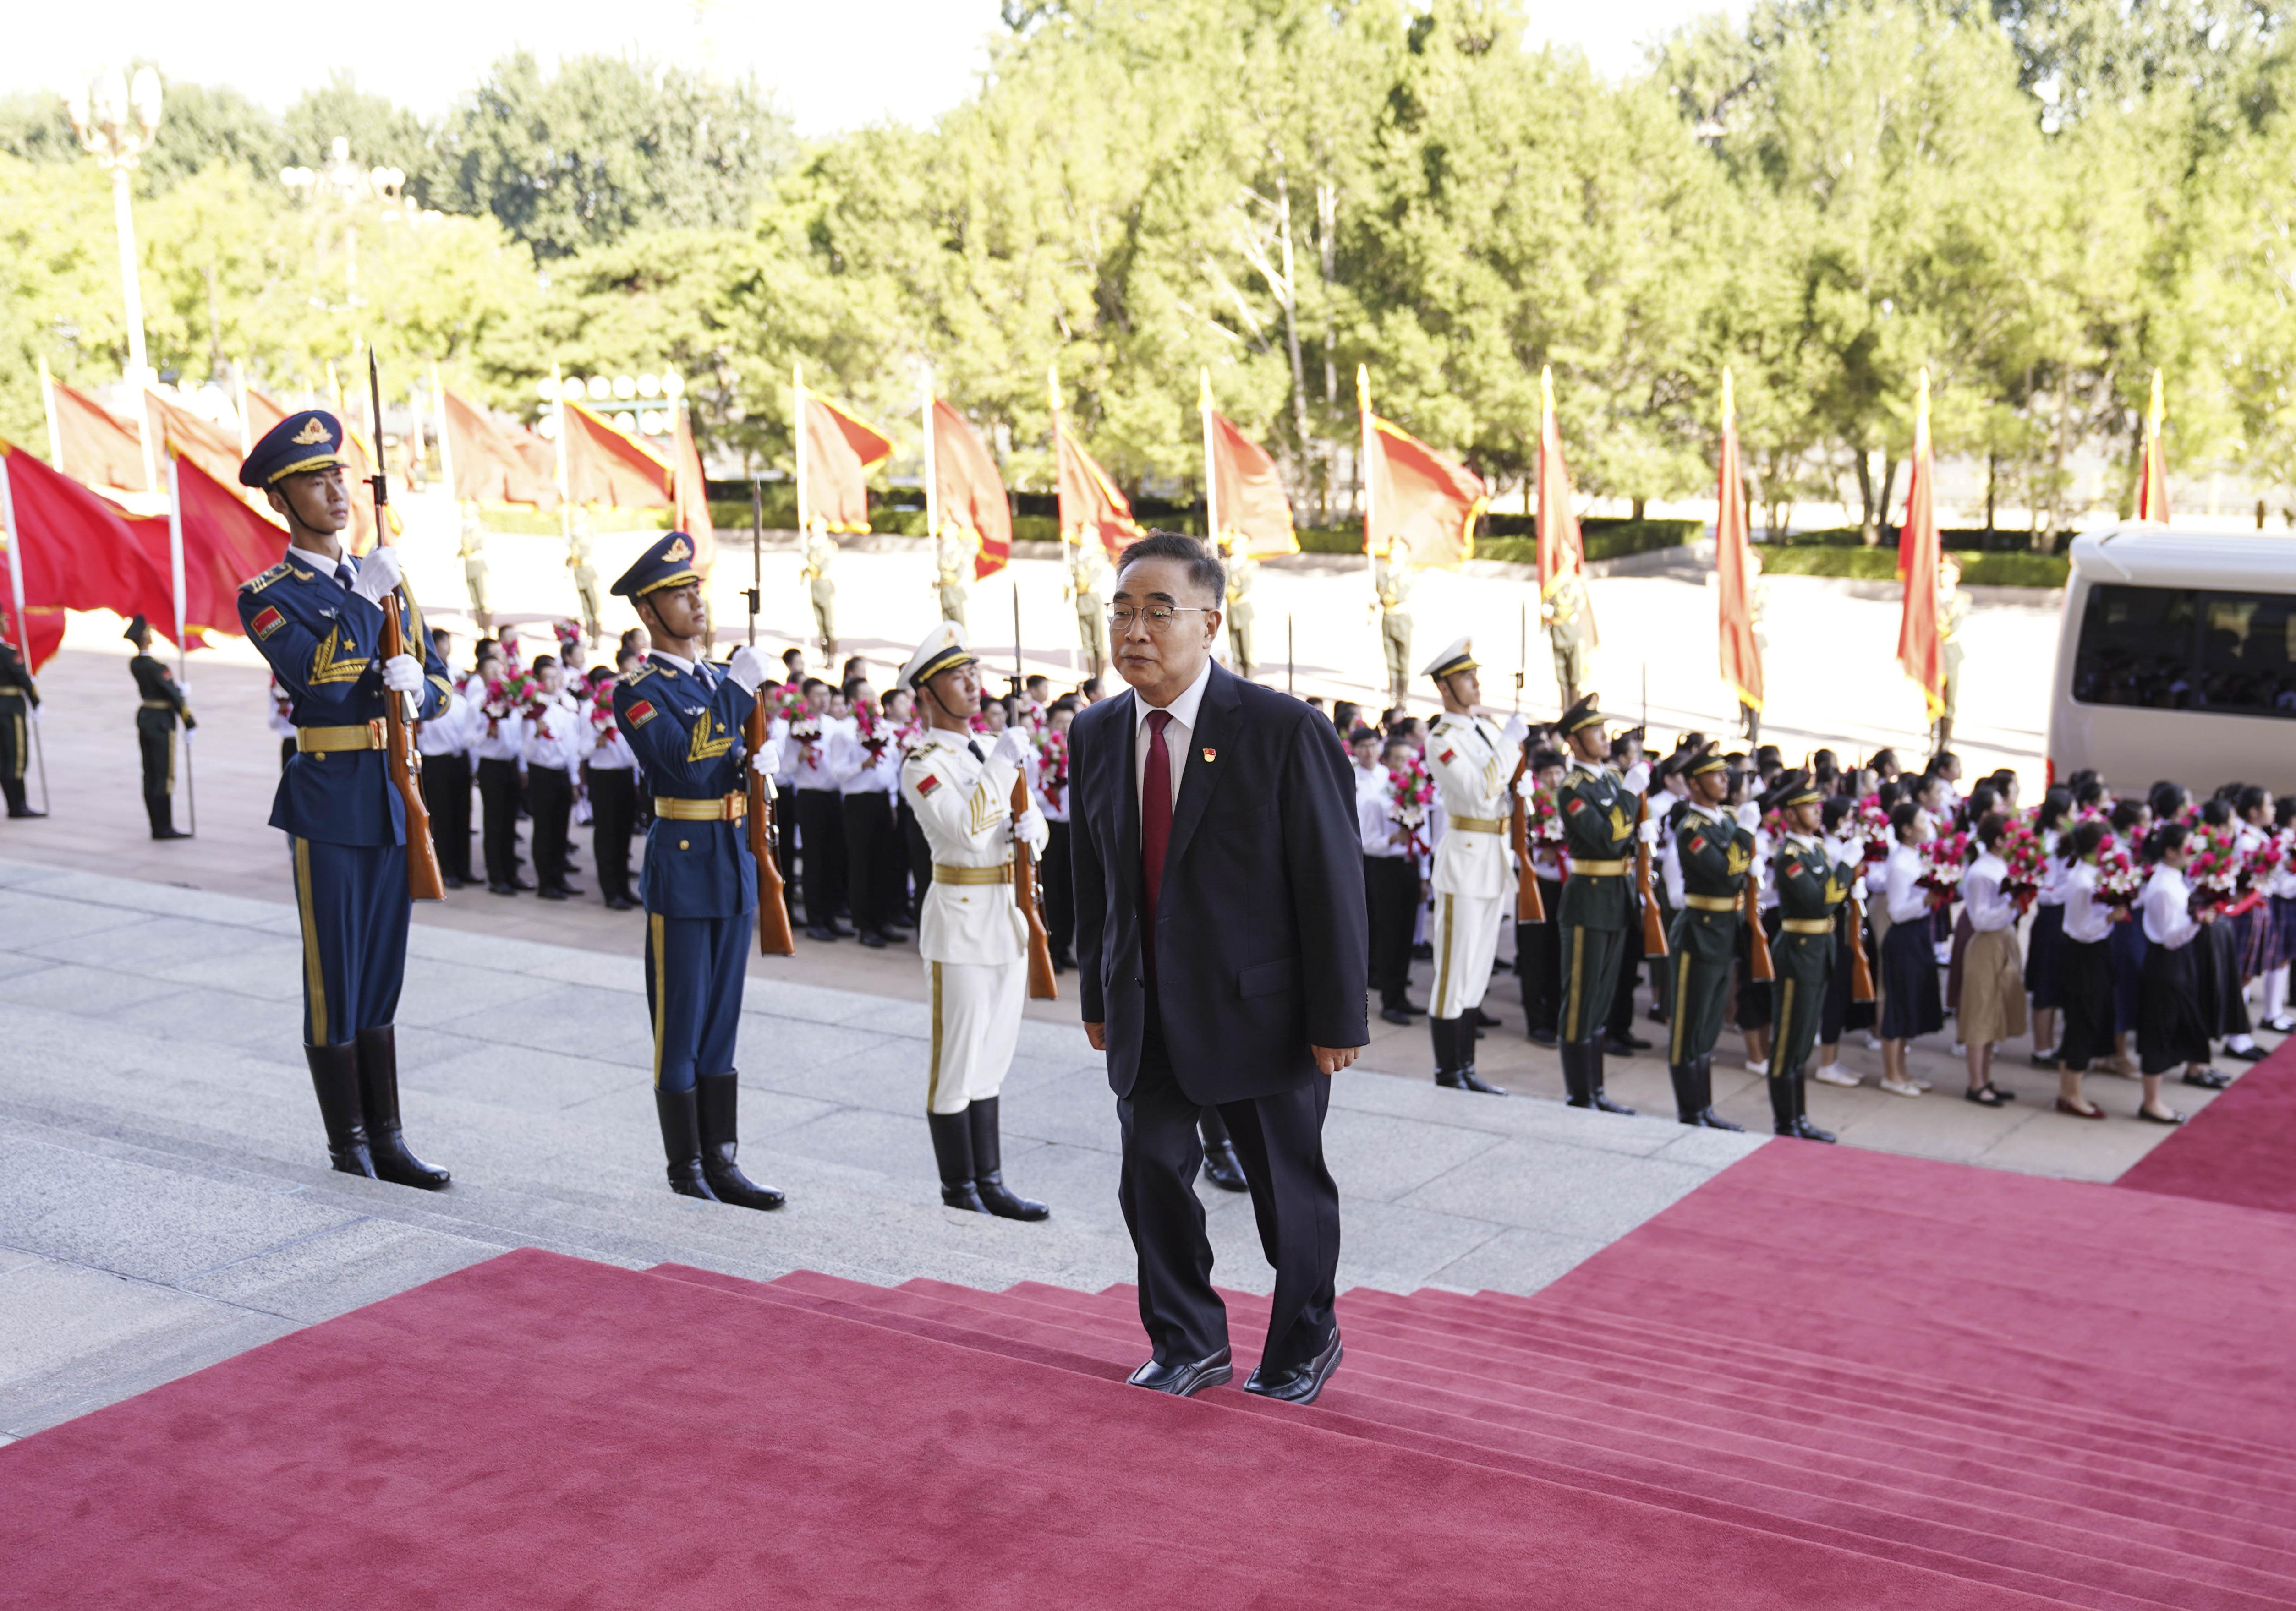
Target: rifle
{"points": [[1653, 932], [424, 880], [1758, 967], [773, 936], [1042, 986], [1861, 971], [1528, 908]]}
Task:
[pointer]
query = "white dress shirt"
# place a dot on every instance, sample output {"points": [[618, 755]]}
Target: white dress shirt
{"points": [[558, 737], [850, 765], [2088, 919], [613, 753], [1980, 895], [1177, 732], [446, 733], [1375, 821], [2053, 870], [1908, 897], [2167, 904]]}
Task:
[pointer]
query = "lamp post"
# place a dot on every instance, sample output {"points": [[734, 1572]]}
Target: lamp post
{"points": [[116, 121]]}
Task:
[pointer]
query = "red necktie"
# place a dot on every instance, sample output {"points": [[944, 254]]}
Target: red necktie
{"points": [[1155, 829]]}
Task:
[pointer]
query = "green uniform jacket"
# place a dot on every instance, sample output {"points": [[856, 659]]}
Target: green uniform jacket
{"points": [[1810, 890], [1598, 825], [1716, 857]]}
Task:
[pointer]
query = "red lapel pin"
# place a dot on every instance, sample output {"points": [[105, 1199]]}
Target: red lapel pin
{"points": [[1211, 754]]}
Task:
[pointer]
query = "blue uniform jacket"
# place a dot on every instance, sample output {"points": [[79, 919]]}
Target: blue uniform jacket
{"points": [[324, 644], [688, 741]]}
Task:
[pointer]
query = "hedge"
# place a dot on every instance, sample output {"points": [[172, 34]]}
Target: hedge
{"points": [[1881, 564], [1961, 539]]}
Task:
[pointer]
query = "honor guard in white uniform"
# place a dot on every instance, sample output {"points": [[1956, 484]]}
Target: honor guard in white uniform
{"points": [[972, 938], [1472, 759]]}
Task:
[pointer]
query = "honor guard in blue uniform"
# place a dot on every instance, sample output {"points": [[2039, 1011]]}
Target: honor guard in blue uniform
{"points": [[682, 717], [159, 705], [316, 616]]}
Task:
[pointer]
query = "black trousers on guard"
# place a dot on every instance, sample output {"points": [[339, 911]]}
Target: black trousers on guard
{"points": [[821, 830], [872, 844], [1538, 961], [498, 819], [1279, 1140], [613, 814], [446, 792], [155, 737], [920, 854], [1391, 891], [550, 799]]}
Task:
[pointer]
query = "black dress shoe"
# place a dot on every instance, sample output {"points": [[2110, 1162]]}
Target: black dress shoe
{"points": [[2172, 1116], [1395, 1015], [521, 885], [1300, 1384], [818, 933], [1488, 1021], [1187, 1378], [616, 903], [2209, 1079], [1620, 1046], [169, 833], [872, 939], [550, 892], [29, 812], [1544, 1037], [452, 880], [1466, 1079], [2246, 1054], [1223, 1169], [499, 887], [1708, 1119]]}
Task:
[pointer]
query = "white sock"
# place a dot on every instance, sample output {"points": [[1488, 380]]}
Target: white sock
{"points": [[2276, 993], [2239, 1043]]}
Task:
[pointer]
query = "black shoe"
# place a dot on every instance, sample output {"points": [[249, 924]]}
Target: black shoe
{"points": [[2251, 1053], [378, 1076], [818, 933], [520, 884], [1620, 1045], [1486, 1021], [2208, 1079], [620, 903], [2173, 1117], [1423, 952], [1223, 1168], [1469, 1080], [839, 929], [1543, 1037], [29, 812], [1803, 1130], [452, 880], [952, 1139], [334, 1078], [718, 1098], [1603, 1104], [681, 1142], [989, 1171], [1300, 1384], [169, 833], [1395, 1015], [1063, 962], [1413, 1008], [872, 939], [550, 892], [1185, 1379], [1984, 1096], [499, 887]]}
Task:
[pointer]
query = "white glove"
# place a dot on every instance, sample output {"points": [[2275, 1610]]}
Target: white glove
{"points": [[1011, 745], [1637, 778], [401, 674], [764, 763], [1527, 786], [1515, 731], [1750, 815], [746, 669], [1030, 828], [1648, 832], [378, 574]]}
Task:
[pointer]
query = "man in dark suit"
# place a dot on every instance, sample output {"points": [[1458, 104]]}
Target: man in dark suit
{"points": [[1221, 941]]}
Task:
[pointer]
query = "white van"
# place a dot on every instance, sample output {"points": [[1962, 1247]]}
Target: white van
{"points": [[2177, 659]]}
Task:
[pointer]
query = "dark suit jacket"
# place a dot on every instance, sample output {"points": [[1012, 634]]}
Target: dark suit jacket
{"points": [[1260, 933]]}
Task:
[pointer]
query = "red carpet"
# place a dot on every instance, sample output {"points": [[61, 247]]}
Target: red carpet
{"points": [[1826, 1379], [2240, 1149]]}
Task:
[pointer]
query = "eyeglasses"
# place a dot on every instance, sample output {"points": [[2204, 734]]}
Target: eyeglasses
{"points": [[1158, 616]]}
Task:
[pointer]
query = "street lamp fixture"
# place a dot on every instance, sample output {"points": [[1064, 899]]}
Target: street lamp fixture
{"points": [[117, 119]]}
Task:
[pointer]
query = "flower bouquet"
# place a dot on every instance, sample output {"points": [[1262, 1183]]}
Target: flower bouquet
{"points": [[571, 641], [2217, 870], [1052, 766], [875, 732], [1943, 860], [2020, 852], [2120, 878], [1873, 827], [1411, 789]]}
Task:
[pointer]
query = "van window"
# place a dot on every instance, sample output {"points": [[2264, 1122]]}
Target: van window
{"points": [[2188, 649]]}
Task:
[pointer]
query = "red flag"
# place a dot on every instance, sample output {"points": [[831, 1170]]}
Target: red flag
{"points": [[1734, 578], [80, 551], [225, 544], [44, 631], [2152, 479], [1090, 504], [970, 491], [185, 435], [262, 415], [495, 461], [97, 447], [1414, 494], [840, 453], [606, 468], [692, 491], [1920, 651], [1247, 494]]}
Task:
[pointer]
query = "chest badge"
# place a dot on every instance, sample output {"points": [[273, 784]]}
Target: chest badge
{"points": [[1211, 754]]}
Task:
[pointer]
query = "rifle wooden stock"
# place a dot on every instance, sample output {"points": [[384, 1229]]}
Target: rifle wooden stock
{"points": [[1042, 987], [1759, 967], [1861, 971], [424, 880], [1653, 931], [1528, 908], [773, 936]]}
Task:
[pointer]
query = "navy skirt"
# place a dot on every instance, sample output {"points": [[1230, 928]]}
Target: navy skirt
{"points": [[1910, 1003], [2085, 973], [2170, 1031], [2216, 978], [2126, 948], [2044, 948]]}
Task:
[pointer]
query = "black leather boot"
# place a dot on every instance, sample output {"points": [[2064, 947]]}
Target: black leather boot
{"points": [[1781, 1106], [988, 1167], [1221, 1168], [1802, 1127], [717, 1101], [1576, 1088], [1465, 1041], [952, 1139], [1683, 1078], [681, 1143], [1603, 1104], [378, 1078], [1446, 1050], [1707, 1117], [335, 1076]]}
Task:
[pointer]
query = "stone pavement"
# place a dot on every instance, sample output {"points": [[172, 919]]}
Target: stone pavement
{"points": [[164, 1201]]}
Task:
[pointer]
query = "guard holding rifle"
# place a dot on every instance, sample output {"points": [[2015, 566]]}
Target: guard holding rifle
{"points": [[1598, 914], [317, 617], [973, 937], [683, 717], [1472, 758], [1715, 853], [1811, 889]]}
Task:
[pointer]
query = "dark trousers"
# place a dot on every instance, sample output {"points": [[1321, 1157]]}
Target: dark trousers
{"points": [[1538, 962], [1058, 878], [871, 846], [155, 737], [1391, 889], [498, 819], [785, 833], [1591, 961], [550, 800], [15, 749], [821, 830], [613, 813], [694, 976], [920, 854], [355, 910], [1279, 1140], [446, 791], [1620, 1021]]}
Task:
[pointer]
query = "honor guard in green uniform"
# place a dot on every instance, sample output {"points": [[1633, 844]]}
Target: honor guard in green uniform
{"points": [[19, 696], [474, 568], [951, 562], [1953, 612], [586, 580], [1569, 621], [162, 705], [1811, 889], [1242, 571], [820, 554], [1714, 854], [1088, 585], [1598, 914], [1391, 578]]}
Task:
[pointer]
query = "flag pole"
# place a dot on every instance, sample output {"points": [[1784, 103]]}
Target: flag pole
{"points": [[16, 595], [932, 482], [246, 432], [565, 481], [176, 578], [1363, 479], [446, 445], [55, 432], [797, 427], [1018, 677], [1211, 477]]}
